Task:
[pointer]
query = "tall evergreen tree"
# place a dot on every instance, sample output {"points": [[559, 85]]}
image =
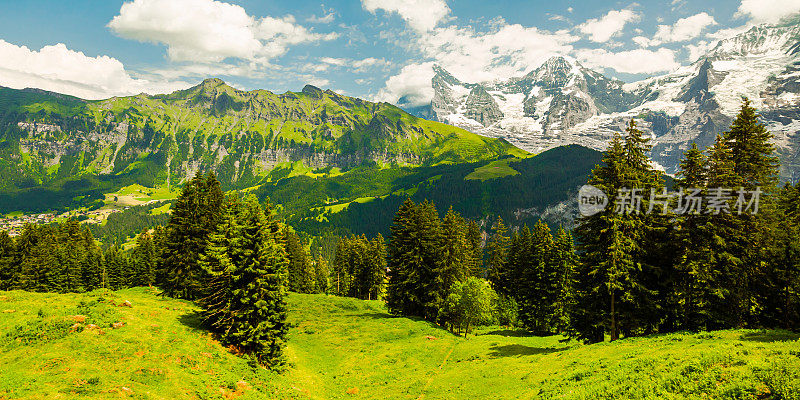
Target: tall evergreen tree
{"points": [[413, 259], [144, 258], [565, 263], [9, 273], [258, 303], [497, 249], [301, 277], [195, 216]]}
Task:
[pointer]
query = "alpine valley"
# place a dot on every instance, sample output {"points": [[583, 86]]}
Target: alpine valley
{"points": [[563, 102], [334, 163]]}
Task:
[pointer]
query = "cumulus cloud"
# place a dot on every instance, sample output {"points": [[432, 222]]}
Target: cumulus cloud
{"points": [[421, 15], [209, 30], [684, 29], [610, 25], [506, 50], [412, 84], [59, 69], [639, 61], [769, 11]]}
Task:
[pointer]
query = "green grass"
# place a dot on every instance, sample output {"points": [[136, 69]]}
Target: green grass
{"points": [[340, 345], [493, 170]]}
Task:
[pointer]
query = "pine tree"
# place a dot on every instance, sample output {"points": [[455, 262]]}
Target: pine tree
{"points": [[565, 262], [413, 259], [258, 306], [195, 216], [537, 279], [455, 258], [144, 259], [9, 273], [497, 258]]}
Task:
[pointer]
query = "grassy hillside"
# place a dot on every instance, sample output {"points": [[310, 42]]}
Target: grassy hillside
{"points": [[351, 349], [48, 140]]}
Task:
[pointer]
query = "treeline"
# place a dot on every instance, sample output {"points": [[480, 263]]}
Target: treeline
{"points": [[66, 258], [535, 271], [635, 268], [359, 269], [427, 257], [707, 268], [122, 226]]}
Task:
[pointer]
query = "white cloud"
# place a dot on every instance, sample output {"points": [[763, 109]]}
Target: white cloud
{"points": [[506, 51], [421, 15], [412, 83], [500, 53], [699, 49], [769, 11], [325, 19], [361, 65], [59, 69], [318, 81], [607, 26], [209, 31], [728, 32], [639, 61], [684, 29]]}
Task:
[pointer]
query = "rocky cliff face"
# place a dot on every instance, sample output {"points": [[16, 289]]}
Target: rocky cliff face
{"points": [[562, 102]]}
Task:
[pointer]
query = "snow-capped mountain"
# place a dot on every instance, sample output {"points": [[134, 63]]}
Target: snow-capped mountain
{"points": [[562, 102]]}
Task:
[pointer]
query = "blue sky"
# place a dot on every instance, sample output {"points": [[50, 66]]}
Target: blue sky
{"points": [[375, 49]]}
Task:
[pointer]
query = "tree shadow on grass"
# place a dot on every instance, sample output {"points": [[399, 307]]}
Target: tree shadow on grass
{"points": [[374, 315], [193, 320], [510, 333], [770, 336], [511, 350]]}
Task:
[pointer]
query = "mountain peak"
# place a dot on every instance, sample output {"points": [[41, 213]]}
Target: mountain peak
{"points": [[212, 82], [312, 91]]}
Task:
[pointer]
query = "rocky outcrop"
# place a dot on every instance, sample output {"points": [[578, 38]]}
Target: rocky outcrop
{"points": [[481, 107]]}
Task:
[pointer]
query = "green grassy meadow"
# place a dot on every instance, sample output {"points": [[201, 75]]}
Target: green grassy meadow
{"points": [[341, 348]]}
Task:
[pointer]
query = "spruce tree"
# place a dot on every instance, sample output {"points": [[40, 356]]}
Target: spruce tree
{"points": [[222, 255], [195, 216], [456, 256], [258, 296], [9, 273], [614, 270], [144, 259], [412, 261], [497, 249], [565, 263], [302, 277], [536, 278]]}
